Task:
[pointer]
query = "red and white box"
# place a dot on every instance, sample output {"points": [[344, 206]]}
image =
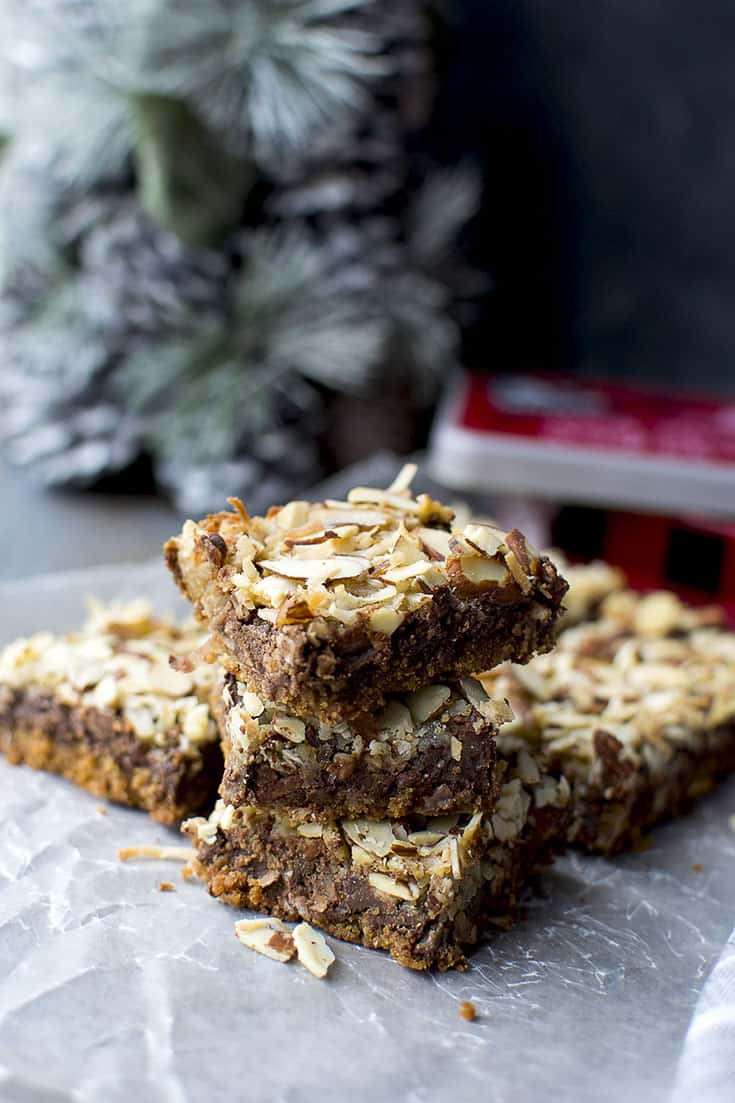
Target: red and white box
{"points": [[633, 459]]}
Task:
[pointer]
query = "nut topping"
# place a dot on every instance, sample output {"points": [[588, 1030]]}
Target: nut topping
{"points": [[305, 561], [267, 936], [312, 950]]}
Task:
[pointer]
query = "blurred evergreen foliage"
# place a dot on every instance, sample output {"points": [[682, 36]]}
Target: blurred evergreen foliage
{"points": [[206, 230]]}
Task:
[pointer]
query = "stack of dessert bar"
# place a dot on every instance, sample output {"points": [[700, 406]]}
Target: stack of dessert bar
{"points": [[364, 790], [103, 707]]}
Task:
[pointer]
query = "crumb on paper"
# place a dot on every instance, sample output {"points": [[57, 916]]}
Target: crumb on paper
{"points": [[166, 886], [156, 853], [188, 872], [468, 1010], [100, 808], [697, 867]]}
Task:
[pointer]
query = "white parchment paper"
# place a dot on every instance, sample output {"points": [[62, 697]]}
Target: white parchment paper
{"points": [[111, 990]]}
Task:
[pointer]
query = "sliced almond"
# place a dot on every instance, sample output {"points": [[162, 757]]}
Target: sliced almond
{"points": [[528, 769], [383, 883], [385, 621], [172, 683], [396, 719], [310, 830], [409, 570], [427, 702], [523, 550], [290, 726], [488, 538], [375, 836], [343, 513], [252, 704], [403, 847], [157, 853], [337, 566], [455, 747], [267, 936], [426, 837], [475, 572], [313, 538], [384, 497], [293, 515], [312, 950], [454, 858], [518, 573], [435, 539], [496, 710]]}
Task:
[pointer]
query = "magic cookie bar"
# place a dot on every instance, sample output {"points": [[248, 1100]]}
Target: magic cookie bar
{"points": [[104, 708], [636, 711], [326, 608], [421, 887], [589, 585], [430, 752]]}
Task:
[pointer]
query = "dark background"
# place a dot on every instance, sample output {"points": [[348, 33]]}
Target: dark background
{"points": [[607, 128]]}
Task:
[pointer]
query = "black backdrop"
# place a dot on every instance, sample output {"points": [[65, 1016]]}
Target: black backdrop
{"points": [[607, 131]]}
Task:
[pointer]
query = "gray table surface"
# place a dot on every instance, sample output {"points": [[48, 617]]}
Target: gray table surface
{"points": [[45, 530]]}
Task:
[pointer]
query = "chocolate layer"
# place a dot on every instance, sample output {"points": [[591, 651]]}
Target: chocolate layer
{"points": [[99, 751], [429, 753]]}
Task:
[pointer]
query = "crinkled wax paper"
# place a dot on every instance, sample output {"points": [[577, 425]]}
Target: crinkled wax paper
{"points": [[112, 990]]}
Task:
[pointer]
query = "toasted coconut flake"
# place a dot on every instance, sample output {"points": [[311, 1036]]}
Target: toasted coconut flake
{"points": [[156, 853], [239, 508]]}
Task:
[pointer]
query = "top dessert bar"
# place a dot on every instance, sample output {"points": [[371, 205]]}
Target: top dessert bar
{"points": [[636, 710], [324, 608], [103, 707]]}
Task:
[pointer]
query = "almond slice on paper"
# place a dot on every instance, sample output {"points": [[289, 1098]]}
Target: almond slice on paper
{"points": [[312, 950], [266, 936]]}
